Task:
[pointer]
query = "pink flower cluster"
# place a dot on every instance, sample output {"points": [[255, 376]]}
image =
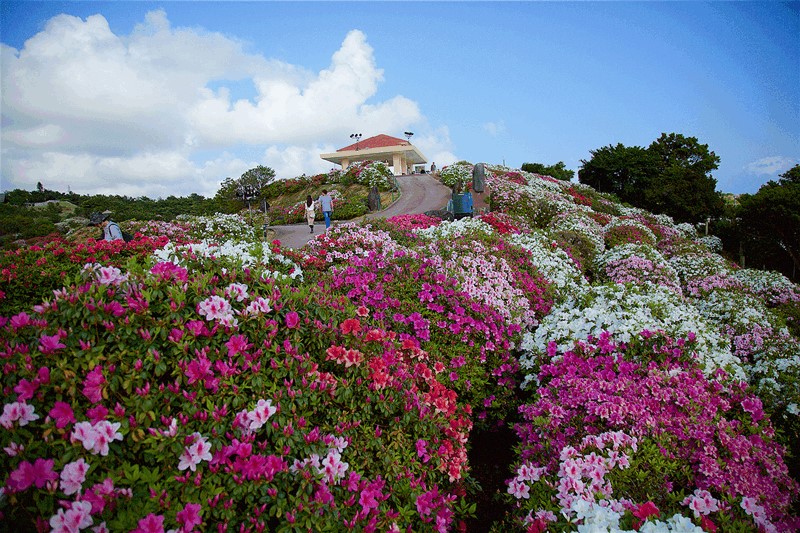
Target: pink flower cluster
{"points": [[594, 388], [96, 437]]}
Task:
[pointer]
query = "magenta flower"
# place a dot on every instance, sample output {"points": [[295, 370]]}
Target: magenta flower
{"points": [[292, 320], [189, 516], [27, 474], [50, 343], [92, 385], [753, 406], [150, 524], [62, 414]]}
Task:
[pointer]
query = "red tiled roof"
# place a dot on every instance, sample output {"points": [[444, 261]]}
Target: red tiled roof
{"points": [[378, 141]]}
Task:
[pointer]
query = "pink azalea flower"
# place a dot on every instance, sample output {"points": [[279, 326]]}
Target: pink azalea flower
{"points": [[753, 406], [92, 385], [518, 489], [189, 516], [150, 524], [259, 416], [50, 343], [76, 517], [199, 450], [292, 320], [214, 308], [62, 414], [27, 474], [110, 276], [73, 475], [26, 389], [17, 412], [20, 321]]}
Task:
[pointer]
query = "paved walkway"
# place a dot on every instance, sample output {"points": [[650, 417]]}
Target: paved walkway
{"points": [[418, 193]]}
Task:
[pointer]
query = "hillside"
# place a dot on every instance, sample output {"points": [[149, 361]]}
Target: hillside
{"points": [[561, 362]]}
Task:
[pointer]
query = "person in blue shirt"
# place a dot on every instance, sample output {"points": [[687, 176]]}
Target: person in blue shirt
{"points": [[111, 230], [326, 203]]}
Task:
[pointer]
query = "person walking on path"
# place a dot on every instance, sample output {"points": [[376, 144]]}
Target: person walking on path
{"points": [[111, 230], [311, 212], [326, 203]]}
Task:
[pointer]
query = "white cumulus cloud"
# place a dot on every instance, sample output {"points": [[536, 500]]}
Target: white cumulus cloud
{"points": [[151, 113]]}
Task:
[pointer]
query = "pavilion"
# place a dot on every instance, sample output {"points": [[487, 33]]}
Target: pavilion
{"points": [[396, 153]]}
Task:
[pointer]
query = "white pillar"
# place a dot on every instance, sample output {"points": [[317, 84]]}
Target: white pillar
{"points": [[397, 160]]}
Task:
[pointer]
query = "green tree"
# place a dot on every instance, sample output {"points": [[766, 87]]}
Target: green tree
{"points": [[558, 171], [681, 185], [671, 176], [250, 187], [770, 222], [617, 170]]}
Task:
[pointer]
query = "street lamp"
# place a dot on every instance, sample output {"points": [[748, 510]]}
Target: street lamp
{"points": [[408, 135], [357, 137]]}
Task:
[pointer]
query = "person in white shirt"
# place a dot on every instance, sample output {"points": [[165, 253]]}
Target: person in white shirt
{"points": [[311, 212]]}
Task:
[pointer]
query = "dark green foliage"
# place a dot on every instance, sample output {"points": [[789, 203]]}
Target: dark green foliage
{"points": [[557, 171], [20, 218], [769, 224], [671, 176]]}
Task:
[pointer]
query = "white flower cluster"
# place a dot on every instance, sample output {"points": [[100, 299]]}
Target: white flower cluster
{"points": [[448, 230], [626, 310], [776, 287], [595, 518], [251, 254], [376, 174], [734, 308], [230, 227], [553, 263], [577, 220], [712, 242], [695, 265], [688, 231], [456, 174]]}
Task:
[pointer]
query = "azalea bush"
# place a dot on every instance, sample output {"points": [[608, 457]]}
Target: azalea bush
{"points": [[456, 176], [199, 379], [619, 430], [209, 394]]}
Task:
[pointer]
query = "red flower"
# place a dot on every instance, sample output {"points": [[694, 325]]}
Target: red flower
{"points": [[351, 325]]}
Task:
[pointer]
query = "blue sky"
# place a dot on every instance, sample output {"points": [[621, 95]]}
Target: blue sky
{"points": [[159, 98]]}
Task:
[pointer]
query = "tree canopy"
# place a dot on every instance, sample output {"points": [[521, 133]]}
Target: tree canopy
{"points": [[671, 176], [558, 171], [770, 221]]}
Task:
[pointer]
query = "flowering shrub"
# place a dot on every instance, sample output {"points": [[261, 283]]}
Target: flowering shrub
{"points": [[188, 398], [376, 174], [601, 415], [456, 176], [219, 226], [637, 263], [201, 380], [412, 222], [622, 231], [624, 311], [30, 275]]}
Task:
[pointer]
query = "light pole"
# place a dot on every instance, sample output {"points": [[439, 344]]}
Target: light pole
{"points": [[357, 137]]}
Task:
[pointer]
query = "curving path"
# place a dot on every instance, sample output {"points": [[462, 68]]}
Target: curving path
{"points": [[418, 193]]}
